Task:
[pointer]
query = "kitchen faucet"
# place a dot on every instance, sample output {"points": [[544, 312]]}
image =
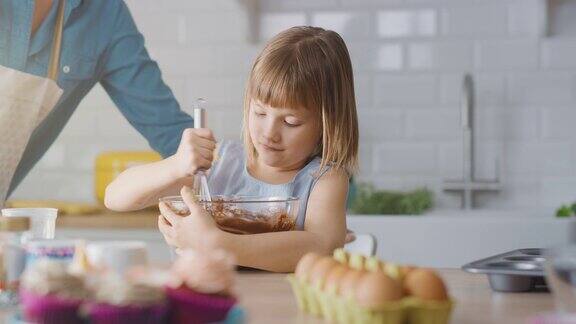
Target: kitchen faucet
{"points": [[468, 185]]}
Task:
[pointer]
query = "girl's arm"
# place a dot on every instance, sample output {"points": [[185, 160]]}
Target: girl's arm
{"points": [[324, 230], [141, 186]]}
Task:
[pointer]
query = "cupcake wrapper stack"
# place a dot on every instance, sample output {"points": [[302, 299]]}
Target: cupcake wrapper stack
{"points": [[50, 309], [113, 314], [190, 307], [337, 309]]}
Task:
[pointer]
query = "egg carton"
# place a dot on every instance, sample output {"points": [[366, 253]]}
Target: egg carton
{"points": [[514, 271], [324, 303]]}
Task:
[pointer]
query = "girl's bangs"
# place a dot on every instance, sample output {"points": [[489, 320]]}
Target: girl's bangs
{"points": [[283, 88]]}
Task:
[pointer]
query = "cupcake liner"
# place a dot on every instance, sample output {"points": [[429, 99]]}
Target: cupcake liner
{"points": [[50, 309], [428, 312], [190, 307], [100, 313]]}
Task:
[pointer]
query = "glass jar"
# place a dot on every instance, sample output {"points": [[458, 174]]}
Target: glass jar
{"points": [[13, 234]]}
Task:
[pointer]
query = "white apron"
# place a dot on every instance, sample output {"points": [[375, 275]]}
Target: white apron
{"points": [[25, 100]]}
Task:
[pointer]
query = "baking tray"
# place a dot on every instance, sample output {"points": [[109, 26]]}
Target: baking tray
{"points": [[515, 271]]}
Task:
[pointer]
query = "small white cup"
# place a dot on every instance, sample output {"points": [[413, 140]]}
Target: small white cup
{"points": [[42, 220], [117, 256]]}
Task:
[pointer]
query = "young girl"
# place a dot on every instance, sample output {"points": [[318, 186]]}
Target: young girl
{"points": [[300, 139]]}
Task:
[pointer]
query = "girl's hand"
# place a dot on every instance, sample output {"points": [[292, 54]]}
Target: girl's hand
{"points": [[196, 231], [194, 153]]}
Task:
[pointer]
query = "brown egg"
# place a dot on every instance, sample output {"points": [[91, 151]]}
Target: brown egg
{"points": [[334, 279], [305, 264], [376, 289], [349, 281], [425, 284], [405, 269], [320, 269]]}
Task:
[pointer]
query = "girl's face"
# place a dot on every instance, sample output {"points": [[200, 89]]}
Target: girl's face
{"points": [[283, 137]]}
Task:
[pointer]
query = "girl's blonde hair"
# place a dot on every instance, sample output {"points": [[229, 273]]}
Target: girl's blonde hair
{"points": [[309, 67]]}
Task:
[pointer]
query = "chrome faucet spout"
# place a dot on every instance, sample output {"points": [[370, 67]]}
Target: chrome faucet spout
{"points": [[468, 184], [467, 115]]}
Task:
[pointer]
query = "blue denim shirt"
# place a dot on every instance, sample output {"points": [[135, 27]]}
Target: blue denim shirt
{"points": [[100, 44]]}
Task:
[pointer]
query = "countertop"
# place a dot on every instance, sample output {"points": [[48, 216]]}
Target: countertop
{"points": [[268, 299], [144, 219]]}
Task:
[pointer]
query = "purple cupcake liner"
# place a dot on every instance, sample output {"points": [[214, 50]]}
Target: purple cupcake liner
{"points": [[189, 307], [50, 309], [113, 314]]}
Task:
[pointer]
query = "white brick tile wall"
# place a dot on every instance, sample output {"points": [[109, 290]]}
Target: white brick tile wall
{"points": [[433, 124], [350, 25], [366, 162], [443, 56], [539, 159], [273, 23], [408, 57], [527, 18], [558, 123], [489, 88], [559, 53], [364, 56], [451, 160], [363, 91], [406, 158], [185, 61], [405, 89], [519, 193], [558, 191], [509, 124], [55, 157], [514, 54], [210, 28], [489, 160], [390, 57], [369, 3], [166, 28], [289, 5], [474, 20], [218, 90], [381, 125], [541, 88], [406, 23]]}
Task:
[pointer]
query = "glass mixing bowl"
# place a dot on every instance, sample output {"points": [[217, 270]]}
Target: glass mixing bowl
{"points": [[245, 214]]}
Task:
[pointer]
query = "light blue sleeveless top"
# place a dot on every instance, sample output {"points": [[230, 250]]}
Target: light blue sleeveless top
{"points": [[229, 176]]}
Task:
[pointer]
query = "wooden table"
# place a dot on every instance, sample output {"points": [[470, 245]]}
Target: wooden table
{"points": [[268, 299]]}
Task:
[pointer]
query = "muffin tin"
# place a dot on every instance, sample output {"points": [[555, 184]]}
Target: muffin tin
{"points": [[515, 271]]}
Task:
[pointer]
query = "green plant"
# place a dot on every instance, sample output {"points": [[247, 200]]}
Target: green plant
{"points": [[369, 200], [566, 210]]}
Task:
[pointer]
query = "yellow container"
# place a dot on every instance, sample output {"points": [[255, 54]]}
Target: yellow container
{"points": [[110, 164]]}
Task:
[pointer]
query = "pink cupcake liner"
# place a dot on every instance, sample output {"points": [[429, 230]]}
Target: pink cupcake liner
{"points": [[113, 314], [50, 309], [189, 307]]}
